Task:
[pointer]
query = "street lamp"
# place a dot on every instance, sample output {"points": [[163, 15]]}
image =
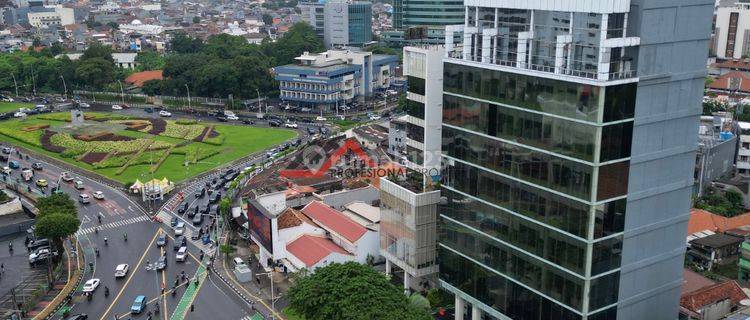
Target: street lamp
{"points": [[273, 301], [15, 84], [65, 88], [188, 94], [122, 92], [258, 92]]}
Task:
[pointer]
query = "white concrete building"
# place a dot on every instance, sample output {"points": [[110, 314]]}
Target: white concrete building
{"points": [[60, 17], [743, 154], [136, 26], [345, 232], [125, 60]]}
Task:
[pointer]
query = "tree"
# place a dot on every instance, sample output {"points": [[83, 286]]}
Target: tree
{"points": [[152, 87], [301, 37], [350, 291], [56, 226], [182, 43], [727, 203], [267, 19], [113, 25], [149, 60], [95, 72], [97, 50], [56, 203], [196, 19]]}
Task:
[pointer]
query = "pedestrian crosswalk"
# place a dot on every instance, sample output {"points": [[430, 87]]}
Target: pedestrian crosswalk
{"points": [[113, 225]]}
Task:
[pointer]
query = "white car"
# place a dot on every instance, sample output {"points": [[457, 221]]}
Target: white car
{"points": [[290, 125], [320, 118], [84, 105], [66, 176], [91, 285], [374, 117], [7, 170], [38, 252], [179, 229], [181, 254], [19, 114], [116, 107], [233, 118], [165, 113], [98, 195], [121, 270]]}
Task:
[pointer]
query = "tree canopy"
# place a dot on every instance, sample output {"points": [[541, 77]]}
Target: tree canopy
{"points": [[351, 291], [57, 217], [727, 203]]}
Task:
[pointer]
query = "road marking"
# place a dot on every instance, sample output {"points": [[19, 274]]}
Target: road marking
{"points": [[164, 280], [130, 277], [111, 225]]}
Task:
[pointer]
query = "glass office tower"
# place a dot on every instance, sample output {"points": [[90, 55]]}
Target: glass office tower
{"points": [[569, 139]]}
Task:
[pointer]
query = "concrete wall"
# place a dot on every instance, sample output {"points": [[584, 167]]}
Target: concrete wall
{"points": [[11, 207], [671, 68], [337, 200]]}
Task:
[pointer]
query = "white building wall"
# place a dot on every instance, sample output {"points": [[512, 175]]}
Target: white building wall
{"points": [[722, 30], [285, 236]]}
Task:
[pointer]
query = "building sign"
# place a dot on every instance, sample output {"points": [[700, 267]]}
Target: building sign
{"points": [[259, 224]]}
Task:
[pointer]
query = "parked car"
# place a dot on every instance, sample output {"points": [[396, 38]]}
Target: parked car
{"points": [[320, 118], [91, 285], [248, 121], [139, 304], [38, 243], [121, 270], [7, 150]]}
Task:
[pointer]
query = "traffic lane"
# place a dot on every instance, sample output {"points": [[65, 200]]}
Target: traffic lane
{"points": [[117, 251], [212, 301]]}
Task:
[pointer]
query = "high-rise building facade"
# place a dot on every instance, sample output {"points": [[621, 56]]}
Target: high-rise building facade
{"points": [[732, 31], [569, 143], [347, 23], [411, 13]]}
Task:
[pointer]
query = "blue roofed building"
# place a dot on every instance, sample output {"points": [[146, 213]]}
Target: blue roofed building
{"points": [[334, 76]]}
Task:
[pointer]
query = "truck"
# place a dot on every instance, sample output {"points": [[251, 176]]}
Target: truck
{"points": [[27, 174]]}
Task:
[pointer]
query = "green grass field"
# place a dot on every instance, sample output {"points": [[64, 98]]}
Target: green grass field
{"points": [[14, 106], [232, 142]]}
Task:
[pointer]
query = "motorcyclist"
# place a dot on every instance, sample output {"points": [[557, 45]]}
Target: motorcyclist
{"points": [[125, 236], [105, 241], [97, 251], [106, 291]]}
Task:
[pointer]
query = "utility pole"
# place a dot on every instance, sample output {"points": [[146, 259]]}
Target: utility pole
{"points": [[33, 81], [258, 92]]}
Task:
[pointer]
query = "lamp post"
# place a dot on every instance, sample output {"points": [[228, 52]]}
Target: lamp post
{"points": [[188, 94], [273, 301], [65, 88], [258, 92], [15, 84], [122, 92]]}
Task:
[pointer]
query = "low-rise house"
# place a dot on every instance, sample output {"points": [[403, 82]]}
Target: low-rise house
{"points": [[714, 249], [712, 302], [345, 232]]}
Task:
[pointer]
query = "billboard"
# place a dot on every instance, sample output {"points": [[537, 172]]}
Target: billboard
{"points": [[259, 224]]}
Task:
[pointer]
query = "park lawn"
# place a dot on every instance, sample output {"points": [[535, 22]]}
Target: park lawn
{"points": [[239, 141], [14, 106]]}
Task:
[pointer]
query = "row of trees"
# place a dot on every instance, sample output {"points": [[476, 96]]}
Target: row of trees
{"points": [[225, 64], [217, 67]]}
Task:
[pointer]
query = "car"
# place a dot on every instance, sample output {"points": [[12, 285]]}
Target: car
{"points": [[203, 210], [36, 166], [84, 198], [311, 131], [274, 123], [200, 193], [65, 176], [91, 285], [161, 263], [121, 270], [84, 105], [39, 252], [374, 117], [320, 118], [98, 195], [41, 183], [174, 221], [19, 114], [180, 241], [78, 184], [165, 113], [215, 198], [211, 191], [291, 125], [192, 213], [183, 208], [161, 240], [323, 130], [80, 316], [248, 121], [116, 107], [305, 109], [149, 110], [7, 170], [14, 164], [179, 229], [42, 257], [139, 304], [197, 219], [181, 254], [38, 243], [222, 119], [233, 118], [7, 150]]}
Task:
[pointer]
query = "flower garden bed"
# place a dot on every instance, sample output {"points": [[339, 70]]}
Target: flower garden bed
{"points": [[158, 126], [102, 136], [47, 144], [35, 127], [94, 157]]}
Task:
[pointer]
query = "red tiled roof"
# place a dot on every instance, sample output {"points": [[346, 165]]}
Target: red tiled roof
{"points": [[700, 298], [732, 64], [311, 249], [723, 82], [292, 218], [334, 220], [692, 281], [139, 78], [701, 220]]}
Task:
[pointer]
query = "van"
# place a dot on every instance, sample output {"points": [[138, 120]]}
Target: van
{"points": [[238, 262], [84, 198]]}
